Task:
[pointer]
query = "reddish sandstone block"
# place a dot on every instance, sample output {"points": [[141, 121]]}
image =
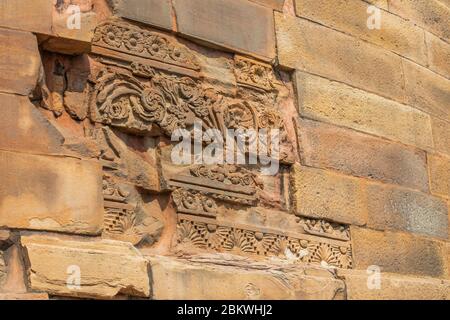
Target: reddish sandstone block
{"points": [[398, 252], [438, 55], [322, 194], [406, 210], [439, 175], [235, 24], [157, 13], [20, 62], [357, 154], [27, 15], [50, 193], [25, 128]]}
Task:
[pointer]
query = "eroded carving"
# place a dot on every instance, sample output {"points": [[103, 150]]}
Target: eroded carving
{"points": [[204, 234], [254, 74], [131, 39]]}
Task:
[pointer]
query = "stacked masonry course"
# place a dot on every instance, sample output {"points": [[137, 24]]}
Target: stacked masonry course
{"points": [[85, 171]]}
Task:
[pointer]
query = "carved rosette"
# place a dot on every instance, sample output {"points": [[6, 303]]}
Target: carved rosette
{"points": [[131, 39]]}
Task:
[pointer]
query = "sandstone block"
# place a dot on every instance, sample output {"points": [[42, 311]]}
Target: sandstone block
{"points": [[157, 13], [406, 210], [274, 4], [25, 128], [441, 135], [234, 24], [106, 268], [24, 296], [50, 193], [357, 154], [342, 105], [397, 252], [438, 55], [27, 15], [427, 90], [360, 286], [20, 62], [433, 15], [351, 16], [322, 194], [439, 175], [379, 3], [177, 279], [319, 50]]}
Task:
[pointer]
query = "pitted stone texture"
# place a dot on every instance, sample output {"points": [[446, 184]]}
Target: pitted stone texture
{"points": [[157, 13], [50, 193], [319, 193], [342, 105], [439, 175], [107, 267], [398, 252], [441, 135], [24, 128], [20, 62], [438, 55], [178, 279], [364, 285], [406, 210], [27, 15], [432, 15], [316, 49], [234, 24], [427, 90], [357, 154], [351, 16]]}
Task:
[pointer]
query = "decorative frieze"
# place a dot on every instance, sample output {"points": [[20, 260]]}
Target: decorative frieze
{"points": [[207, 234], [127, 38], [253, 73]]}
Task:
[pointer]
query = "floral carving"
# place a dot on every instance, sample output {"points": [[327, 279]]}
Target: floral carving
{"points": [[253, 73], [192, 202], [229, 174], [134, 40]]}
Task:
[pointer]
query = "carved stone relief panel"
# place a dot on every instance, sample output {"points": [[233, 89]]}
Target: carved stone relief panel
{"points": [[142, 86]]}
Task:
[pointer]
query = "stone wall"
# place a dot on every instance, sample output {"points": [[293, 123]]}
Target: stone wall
{"points": [[93, 206]]}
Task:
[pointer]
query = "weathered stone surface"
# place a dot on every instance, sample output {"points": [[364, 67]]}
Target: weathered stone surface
{"points": [[324, 194], [360, 285], [14, 280], [27, 15], [319, 50], [24, 296], [25, 129], [438, 55], [342, 105], [107, 268], [50, 193], [379, 3], [154, 12], [357, 154], [433, 15], [234, 24], [439, 167], [20, 63], [351, 17], [71, 40], [399, 253], [274, 4], [427, 90], [441, 135], [406, 210], [178, 279]]}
